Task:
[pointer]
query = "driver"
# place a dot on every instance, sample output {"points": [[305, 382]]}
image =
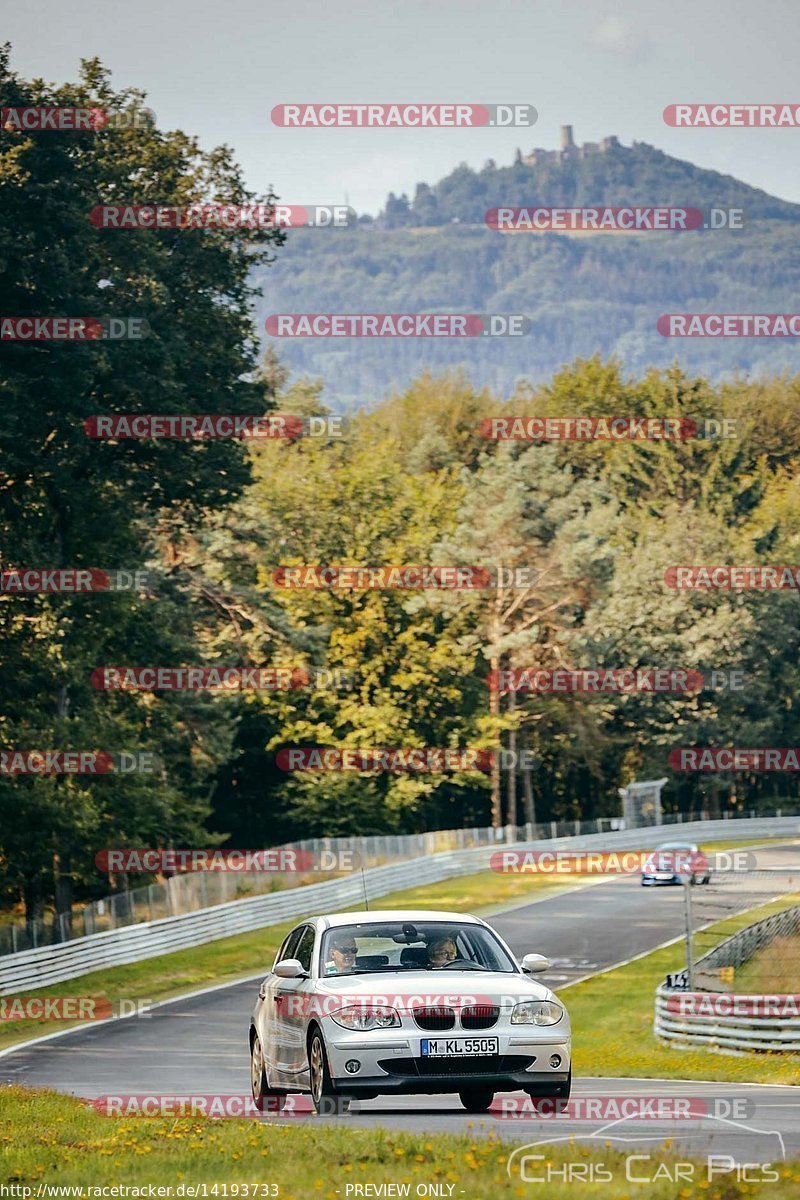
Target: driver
{"points": [[343, 953], [441, 951]]}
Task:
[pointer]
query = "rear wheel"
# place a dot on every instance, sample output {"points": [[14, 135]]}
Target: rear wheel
{"points": [[476, 1099], [264, 1098], [327, 1101]]}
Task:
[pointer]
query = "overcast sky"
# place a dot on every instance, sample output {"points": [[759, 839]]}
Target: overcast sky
{"points": [[216, 70]]}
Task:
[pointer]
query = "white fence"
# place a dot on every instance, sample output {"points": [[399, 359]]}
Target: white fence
{"points": [[54, 964]]}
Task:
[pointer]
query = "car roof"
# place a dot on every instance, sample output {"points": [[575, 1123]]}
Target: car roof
{"points": [[379, 915]]}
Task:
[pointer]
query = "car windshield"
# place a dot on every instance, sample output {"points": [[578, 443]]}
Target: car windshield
{"points": [[677, 846], [371, 947]]}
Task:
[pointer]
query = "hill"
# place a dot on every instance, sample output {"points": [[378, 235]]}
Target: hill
{"points": [[584, 294]]}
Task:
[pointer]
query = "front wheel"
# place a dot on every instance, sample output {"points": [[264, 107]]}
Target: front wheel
{"points": [[327, 1100], [561, 1093], [264, 1098], [476, 1099]]}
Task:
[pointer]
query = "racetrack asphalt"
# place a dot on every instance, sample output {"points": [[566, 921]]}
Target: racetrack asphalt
{"points": [[198, 1044]]}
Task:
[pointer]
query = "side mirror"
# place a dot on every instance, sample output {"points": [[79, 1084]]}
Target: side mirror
{"points": [[532, 964], [290, 968]]}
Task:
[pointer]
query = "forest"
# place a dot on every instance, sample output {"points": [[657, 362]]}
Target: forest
{"points": [[577, 539]]}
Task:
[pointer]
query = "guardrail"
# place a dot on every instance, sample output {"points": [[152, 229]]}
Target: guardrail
{"points": [[193, 890], [54, 964], [728, 1023]]}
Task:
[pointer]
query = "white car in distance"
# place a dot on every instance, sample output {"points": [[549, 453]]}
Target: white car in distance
{"points": [[398, 1002]]}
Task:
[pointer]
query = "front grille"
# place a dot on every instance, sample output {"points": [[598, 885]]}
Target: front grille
{"points": [[490, 1064], [479, 1016], [435, 1018]]}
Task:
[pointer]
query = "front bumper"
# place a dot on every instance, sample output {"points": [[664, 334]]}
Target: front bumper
{"points": [[391, 1061]]}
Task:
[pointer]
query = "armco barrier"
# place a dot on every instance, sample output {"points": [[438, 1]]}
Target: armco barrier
{"points": [[54, 964], [726, 1022], [190, 891]]}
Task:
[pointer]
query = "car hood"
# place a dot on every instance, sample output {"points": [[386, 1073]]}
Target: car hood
{"points": [[404, 989]]}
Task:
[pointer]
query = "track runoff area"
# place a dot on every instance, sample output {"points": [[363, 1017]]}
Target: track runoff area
{"points": [[196, 1045]]}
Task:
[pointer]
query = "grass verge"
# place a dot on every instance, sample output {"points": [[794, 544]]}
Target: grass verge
{"points": [[612, 1021], [48, 1139], [776, 968]]}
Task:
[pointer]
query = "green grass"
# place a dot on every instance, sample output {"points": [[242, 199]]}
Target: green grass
{"points": [[55, 1140], [612, 1021], [776, 968]]}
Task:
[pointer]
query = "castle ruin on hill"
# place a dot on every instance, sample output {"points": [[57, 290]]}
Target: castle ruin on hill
{"points": [[539, 157]]}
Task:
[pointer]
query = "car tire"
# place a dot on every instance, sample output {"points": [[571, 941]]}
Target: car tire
{"points": [[477, 1099], [327, 1101], [264, 1097]]}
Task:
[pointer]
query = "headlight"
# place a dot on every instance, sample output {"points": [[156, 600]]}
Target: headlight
{"points": [[359, 1017], [536, 1012]]}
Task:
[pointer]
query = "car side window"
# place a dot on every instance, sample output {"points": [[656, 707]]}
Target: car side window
{"points": [[288, 948], [305, 948]]}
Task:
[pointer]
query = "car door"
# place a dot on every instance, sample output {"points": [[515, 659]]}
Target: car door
{"points": [[291, 1004], [271, 1032]]}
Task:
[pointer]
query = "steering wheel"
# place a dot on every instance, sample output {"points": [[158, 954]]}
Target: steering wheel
{"points": [[465, 963]]}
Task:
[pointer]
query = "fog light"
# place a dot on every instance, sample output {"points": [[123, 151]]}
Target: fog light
{"points": [[555, 1060], [353, 1066]]}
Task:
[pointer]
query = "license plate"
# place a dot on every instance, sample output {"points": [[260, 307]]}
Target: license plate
{"points": [[445, 1047]]}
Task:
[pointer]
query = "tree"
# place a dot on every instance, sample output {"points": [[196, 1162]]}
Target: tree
{"points": [[67, 500]]}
